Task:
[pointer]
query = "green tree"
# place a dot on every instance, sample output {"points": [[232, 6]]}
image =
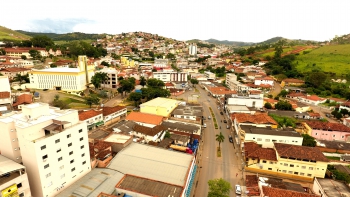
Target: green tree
{"points": [[105, 63], [219, 188], [42, 41], [268, 105], [35, 54], [283, 93], [220, 138], [194, 81], [98, 79], [23, 57], [20, 78], [53, 65], [2, 51], [155, 83], [308, 140], [283, 105], [92, 99], [167, 134], [278, 51], [135, 96], [143, 81], [316, 79]]}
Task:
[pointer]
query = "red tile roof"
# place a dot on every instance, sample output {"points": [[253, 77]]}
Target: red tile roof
{"points": [[84, 115], [23, 99], [254, 150], [291, 80], [221, 90], [300, 152], [256, 119], [252, 185], [276, 192], [145, 118], [296, 94], [4, 95], [327, 126], [313, 98], [147, 130], [110, 110]]}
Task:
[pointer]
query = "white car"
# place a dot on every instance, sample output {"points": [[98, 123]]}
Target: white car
{"points": [[204, 125], [238, 189]]}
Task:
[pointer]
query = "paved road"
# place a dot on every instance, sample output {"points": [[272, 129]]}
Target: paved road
{"points": [[276, 90], [211, 166]]}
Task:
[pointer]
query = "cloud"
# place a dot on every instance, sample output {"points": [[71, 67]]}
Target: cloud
{"points": [[56, 25]]}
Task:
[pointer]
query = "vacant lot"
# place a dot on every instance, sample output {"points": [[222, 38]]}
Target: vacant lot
{"points": [[334, 59]]}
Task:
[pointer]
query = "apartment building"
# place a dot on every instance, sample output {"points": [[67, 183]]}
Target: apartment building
{"points": [[112, 77], [250, 99], [170, 76], [66, 79], [13, 179], [51, 143], [231, 79], [209, 75], [192, 49], [264, 81], [5, 90]]}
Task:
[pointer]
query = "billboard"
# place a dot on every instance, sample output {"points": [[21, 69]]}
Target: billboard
{"points": [[11, 191]]}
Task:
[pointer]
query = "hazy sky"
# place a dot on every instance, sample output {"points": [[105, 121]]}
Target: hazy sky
{"points": [[244, 20]]}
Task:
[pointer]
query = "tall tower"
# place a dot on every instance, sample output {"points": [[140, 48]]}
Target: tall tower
{"points": [[192, 49], [82, 65]]}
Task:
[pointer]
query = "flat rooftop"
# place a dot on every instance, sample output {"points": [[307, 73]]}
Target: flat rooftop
{"points": [[7, 165], [149, 187], [334, 188], [237, 108], [287, 132], [160, 102], [58, 69], [153, 163], [181, 126], [117, 138]]}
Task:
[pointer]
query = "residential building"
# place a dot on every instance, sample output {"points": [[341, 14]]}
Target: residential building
{"points": [[51, 143], [292, 82], [267, 136], [170, 76], [144, 119], [161, 61], [13, 178], [171, 171], [250, 99], [264, 81], [112, 77], [11, 73], [159, 106], [330, 188], [188, 112], [231, 78], [327, 131], [192, 130], [5, 91], [25, 98], [209, 75], [285, 160], [278, 192], [147, 134], [113, 114], [66, 79], [220, 92], [313, 99], [192, 49], [18, 52], [93, 118], [345, 105], [100, 153], [118, 141]]}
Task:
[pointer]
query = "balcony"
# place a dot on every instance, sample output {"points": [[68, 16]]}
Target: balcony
{"points": [[4, 178]]}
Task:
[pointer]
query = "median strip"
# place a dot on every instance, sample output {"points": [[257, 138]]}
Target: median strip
{"points": [[214, 118]]}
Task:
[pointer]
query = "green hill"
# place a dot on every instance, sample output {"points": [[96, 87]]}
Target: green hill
{"points": [[8, 34], [67, 36], [329, 58]]}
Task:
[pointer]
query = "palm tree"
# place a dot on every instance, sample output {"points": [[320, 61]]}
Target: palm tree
{"points": [[220, 138], [18, 78]]}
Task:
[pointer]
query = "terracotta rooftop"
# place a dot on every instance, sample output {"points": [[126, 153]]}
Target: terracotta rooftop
{"points": [[313, 98], [221, 90], [4, 95], [254, 150], [83, 115], [291, 80], [256, 119], [252, 185], [14, 69], [23, 99], [147, 130], [276, 192], [101, 145], [110, 110], [299, 152], [327, 126], [296, 94], [264, 78], [145, 118]]}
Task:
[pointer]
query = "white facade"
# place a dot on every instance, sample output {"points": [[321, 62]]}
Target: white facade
{"points": [[14, 178], [5, 90], [53, 145], [192, 49], [209, 75], [114, 115], [256, 101], [231, 79], [112, 74], [263, 81], [170, 76], [267, 140]]}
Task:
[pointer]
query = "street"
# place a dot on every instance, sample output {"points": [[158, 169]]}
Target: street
{"points": [[229, 165]]}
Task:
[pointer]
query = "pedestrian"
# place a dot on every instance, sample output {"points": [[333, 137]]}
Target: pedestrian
{"points": [[236, 174]]}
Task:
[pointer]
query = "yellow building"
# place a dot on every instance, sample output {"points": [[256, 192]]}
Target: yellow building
{"points": [[126, 62], [66, 79], [285, 160], [159, 106]]}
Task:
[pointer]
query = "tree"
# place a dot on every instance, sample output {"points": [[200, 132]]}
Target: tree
{"points": [[316, 79], [23, 57], [126, 85], [53, 65], [35, 54], [155, 83], [219, 188], [135, 96], [278, 51], [283, 93], [220, 138], [20, 78], [105, 63], [143, 81], [283, 105], [194, 81], [268, 105], [92, 99], [167, 134], [42, 41], [308, 140], [2, 52], [98, 78]]}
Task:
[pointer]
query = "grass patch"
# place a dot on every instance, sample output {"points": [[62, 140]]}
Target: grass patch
{"points": [[72, 100], [284, 121], [218, 152], [333, 158], [214, 118]]}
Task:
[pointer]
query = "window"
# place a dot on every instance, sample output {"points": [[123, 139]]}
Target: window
{"points": [[302, 174], [296, 173], [49, 184], [62, 176], [21, 195], [342, 136], [333, 135], [315, 133], [62, 167], [80, 130], [73, 169], [72, 161], [82, 155], [81, 147], [70, 144], [271, 162], [81, 139], [284, 171], [57, 141], [46, 166], [290, 172], [269, 168], [60, 159], [311, 168], [19, 185], [303, 167], [291, 165], [264, 161], [84, 162], [309, 175], [285, 164], [259, 139], [48, 175], [44, 157], [43, 147], [69, 135], [59, 150], [267, 140], [71, 153]]}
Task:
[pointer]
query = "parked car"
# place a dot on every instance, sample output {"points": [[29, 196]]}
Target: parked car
{"points": [[230, 139], [209, 117], [204, 125], [238, 189], [227, 126], [225, 121], [222, 113]]}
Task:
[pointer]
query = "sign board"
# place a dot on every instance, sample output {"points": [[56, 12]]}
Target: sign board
{"points": [[11, 191]]}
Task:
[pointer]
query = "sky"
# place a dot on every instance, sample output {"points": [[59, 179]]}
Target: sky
{"points": [[244, 20]]}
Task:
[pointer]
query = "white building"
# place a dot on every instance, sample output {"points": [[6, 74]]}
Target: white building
{"points": [[170, 76], [264, 81], [13, 179], [92, 118], [267, 136], [5, 90], [51, 143], [249, 100], [209, 75], [192, 49], [112, 77], [66, 79], [230, 80]]}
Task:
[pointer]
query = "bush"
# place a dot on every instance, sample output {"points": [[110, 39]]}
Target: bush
{"points": [[268, 106]]}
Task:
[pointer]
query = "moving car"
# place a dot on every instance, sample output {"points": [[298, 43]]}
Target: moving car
{"points": [[230, 139], [238, 189], [225, 121], [209, 117], [204, 125], [222, 113]]}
